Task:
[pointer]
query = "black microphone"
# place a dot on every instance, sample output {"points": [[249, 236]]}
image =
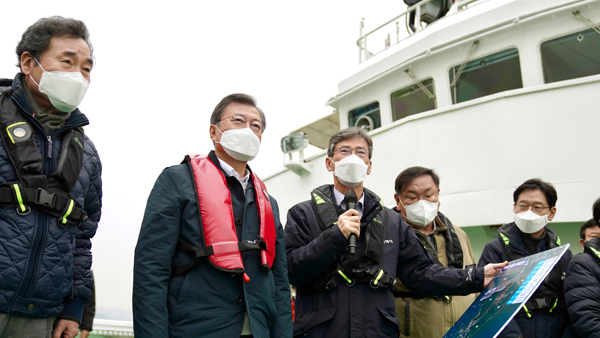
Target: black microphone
{"points": [[350, 200]]}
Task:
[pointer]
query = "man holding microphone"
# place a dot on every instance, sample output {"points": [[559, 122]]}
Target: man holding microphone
{"points": [[343, 293]]}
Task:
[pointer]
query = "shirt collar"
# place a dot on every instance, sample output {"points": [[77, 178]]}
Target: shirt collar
{"points": [[339, 200], [231, 172]]}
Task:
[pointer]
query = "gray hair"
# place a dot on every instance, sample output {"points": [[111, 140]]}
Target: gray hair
{"points": [[215, 117], [347, 133], [37, 37]]}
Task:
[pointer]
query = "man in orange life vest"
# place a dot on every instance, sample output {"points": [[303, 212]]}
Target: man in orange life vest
{"points": [[210, 259]]}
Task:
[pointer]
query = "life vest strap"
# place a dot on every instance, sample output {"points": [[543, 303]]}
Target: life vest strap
{"points": [[375, 276], [65, 208], [258, 244]]}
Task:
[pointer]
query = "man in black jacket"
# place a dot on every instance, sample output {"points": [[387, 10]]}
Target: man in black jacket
{"points": [[340, 294], [582, 286], [544, 315]]}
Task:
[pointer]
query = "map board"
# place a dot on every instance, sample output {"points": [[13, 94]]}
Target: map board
{"points": [[505, 295]]}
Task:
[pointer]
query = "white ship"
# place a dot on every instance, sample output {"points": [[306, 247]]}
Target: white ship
{"points": [[491, 94]]}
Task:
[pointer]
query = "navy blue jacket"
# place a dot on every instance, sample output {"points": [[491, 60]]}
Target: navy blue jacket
{"points": [[45, 270], [360, 310], [204, 302], [582, 291], [543, 324]]}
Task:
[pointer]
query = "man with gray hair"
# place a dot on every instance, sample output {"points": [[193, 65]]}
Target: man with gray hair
{"points": [[50, 184], [210, 258], [344, 285]]}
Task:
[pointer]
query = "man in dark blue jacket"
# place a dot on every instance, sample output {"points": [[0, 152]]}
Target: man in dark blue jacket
{"points": [[178, 291], [50, 185], [582, 286], [544, 315], [341, 294]]}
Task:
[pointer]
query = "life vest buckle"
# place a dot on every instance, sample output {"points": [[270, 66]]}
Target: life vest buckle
{"points": [[45, 198]]}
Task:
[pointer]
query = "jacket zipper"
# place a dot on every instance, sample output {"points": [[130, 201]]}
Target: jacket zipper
{"points": [[42, 219]]}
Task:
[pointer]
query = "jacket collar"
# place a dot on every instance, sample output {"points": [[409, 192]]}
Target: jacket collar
{"points": [[77, 118], [516, 239], [593, 248]]}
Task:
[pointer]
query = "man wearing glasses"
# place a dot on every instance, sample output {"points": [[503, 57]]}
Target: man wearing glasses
{"points": [[210, 258], [544, 315], [343, 292], [417, 200]]}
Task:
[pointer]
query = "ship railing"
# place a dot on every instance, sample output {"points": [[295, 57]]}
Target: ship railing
{"points": [[364, 53], [112, 328]]}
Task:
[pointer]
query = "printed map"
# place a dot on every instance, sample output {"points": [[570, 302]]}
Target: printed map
{"points": [[504, 296]]}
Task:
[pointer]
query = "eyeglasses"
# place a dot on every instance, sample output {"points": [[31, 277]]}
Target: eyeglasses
{"points": [[240, 121], [347, 151], [536, 208]]}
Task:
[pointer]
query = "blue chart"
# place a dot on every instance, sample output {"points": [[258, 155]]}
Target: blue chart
{"points": [[504, 296]]}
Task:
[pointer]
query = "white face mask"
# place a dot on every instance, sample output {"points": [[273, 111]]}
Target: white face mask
{"points": [[240, 144], [421, 213], [529, 222], [65, 90], [351, 171]]}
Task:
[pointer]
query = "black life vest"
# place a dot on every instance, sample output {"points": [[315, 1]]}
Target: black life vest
{"points": [[33, 188], [221, 244], [549, 296], [454, 253], [361, 268]]}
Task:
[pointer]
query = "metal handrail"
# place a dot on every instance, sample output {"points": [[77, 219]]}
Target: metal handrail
{"points": [[363, 52]]}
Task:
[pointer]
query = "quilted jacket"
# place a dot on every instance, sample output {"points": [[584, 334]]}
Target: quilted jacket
{"points": [[45, 269]]}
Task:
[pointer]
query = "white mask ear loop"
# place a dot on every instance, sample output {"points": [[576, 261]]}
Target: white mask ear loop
{"points": [[39, 64], [219, 132]]}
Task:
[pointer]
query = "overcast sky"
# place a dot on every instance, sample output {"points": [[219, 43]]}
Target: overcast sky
{"points": [[161, 67]]}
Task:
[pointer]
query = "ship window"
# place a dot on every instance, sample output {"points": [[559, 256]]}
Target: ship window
{"points": [[412, 100], [571, 56], [366, 117], [491, 74]]}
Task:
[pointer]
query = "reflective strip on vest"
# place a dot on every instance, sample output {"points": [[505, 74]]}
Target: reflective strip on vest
{"points": [[69, 210], [345, 277], [19, 198], [526, 311], [378, 277]]}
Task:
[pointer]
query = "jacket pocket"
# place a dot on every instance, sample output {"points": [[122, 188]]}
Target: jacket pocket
{"points": [[179, 298], [391, 318], [304, 323]]}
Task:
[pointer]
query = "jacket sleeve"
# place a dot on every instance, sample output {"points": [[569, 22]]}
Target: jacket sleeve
{"points": [[89, 311], [492, 253], [82, 255], [582, 294], [309, 251], [283, 324], [153, 254], [417, 271]]}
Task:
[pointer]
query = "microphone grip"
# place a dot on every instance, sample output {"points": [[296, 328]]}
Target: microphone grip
{"points": [[352, 244], [352, 238]]}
